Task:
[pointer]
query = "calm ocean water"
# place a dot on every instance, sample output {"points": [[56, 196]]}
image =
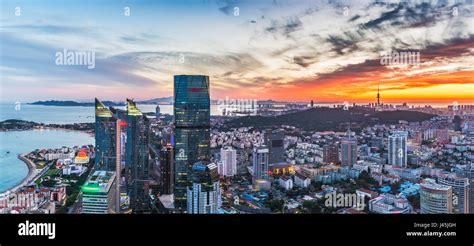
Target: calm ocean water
{"points": [[68, 115], [12, 169]]}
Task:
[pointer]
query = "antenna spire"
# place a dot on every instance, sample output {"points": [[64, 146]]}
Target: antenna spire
{"points": [[378, 94]]}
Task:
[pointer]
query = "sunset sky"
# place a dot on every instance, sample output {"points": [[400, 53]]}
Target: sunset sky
{"points": [[273, 49]]}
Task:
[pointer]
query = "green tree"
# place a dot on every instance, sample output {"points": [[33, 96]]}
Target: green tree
{"points": [[276, 205]]}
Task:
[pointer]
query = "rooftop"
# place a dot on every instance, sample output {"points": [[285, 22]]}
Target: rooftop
{"points": [[167, 201], [301, 176], [432, 185], [101, 110], [132, 108], [99, 182]]}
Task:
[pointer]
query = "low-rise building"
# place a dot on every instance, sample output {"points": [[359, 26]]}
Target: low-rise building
{"points": [[389, 204], [302, 181], [285, 182], [366, 193]]}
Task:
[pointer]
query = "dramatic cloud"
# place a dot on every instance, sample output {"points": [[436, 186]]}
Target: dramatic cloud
{"points": [[288, 50]]}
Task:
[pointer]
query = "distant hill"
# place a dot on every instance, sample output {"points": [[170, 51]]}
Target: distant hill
{"points": [[154, 101], [324, 119], [166, 100], [161, 100], [22, 125], [78, 104]]}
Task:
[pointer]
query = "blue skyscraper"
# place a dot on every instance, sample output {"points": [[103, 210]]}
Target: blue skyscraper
{"points": [[105, 138], [192, 130], [136, 154]]}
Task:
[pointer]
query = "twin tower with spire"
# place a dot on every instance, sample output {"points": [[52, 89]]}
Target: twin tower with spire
{"points": [[122, 139]]}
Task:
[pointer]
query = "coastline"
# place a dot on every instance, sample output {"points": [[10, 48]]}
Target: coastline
{"points": [[91, 133], [29, 177], [49, 128]]}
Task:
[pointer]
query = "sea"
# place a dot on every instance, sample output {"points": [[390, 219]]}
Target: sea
{"points": [[13, 143]]}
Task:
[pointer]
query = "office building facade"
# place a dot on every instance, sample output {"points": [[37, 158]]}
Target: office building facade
{"points": [[469, 173], [98, 193], [460, 187], [167, 169], [105, 138], [435, 198], [137, 158], [191, 130], [274, 142], [260, 163]]}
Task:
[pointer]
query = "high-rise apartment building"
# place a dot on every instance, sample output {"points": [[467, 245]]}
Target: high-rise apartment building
{"points": [[330, 154], [204, 194], [397, 149], [228, 163], [435, 198], [260, 163], [460, 187], [348, 150]]}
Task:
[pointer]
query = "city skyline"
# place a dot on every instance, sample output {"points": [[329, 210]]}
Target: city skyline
{"points": [[279, 50], [282, 170]]}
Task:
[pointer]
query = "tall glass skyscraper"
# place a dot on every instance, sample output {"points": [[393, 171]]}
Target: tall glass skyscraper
{"points": [[136, 154], [105, 138], [192, 108]]}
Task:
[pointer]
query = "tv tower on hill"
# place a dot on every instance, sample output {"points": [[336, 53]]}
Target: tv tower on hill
{"points": [[378, 95]]}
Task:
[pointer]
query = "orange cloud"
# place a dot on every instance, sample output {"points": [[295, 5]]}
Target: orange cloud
{"points": [[449, 87]]}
